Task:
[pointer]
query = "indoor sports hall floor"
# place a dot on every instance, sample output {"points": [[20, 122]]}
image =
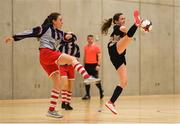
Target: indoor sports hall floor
{"points": [[164, 109]]}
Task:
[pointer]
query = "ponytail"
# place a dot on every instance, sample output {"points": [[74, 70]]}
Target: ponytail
{"points": [[50, 18], [106, 25], [46, 22]]}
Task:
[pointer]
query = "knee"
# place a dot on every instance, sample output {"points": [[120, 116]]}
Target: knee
{"points": [[54, 75], [123, 84], [73, 59]]}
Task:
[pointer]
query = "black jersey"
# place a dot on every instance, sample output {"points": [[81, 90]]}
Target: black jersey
{"points": [[70, 48], [116, 58], [117, 32]]}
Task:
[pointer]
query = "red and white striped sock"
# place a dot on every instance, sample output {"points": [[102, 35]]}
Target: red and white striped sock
{"points": [[68, 98], [63, 96], [78, 67], [54, 99]]}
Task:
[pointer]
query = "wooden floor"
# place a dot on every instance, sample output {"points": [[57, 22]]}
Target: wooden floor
{"points": [[132, 109]]}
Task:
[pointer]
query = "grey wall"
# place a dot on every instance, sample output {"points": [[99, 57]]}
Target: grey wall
{"points": [[177, 46], [6, 79], [157, 51], [152, 59]]}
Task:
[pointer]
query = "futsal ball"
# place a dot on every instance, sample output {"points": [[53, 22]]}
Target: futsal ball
{"points": [[146, 25]]}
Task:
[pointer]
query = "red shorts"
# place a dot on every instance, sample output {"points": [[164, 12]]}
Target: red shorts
{"points": [[67, 70], [48, 58]]}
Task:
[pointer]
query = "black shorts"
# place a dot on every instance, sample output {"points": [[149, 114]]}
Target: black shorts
{"points": [[116, 58], [91, 69]]}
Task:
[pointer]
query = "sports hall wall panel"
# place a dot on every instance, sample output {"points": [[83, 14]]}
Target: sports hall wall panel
{"points": [[177, 47], [152, 59], [5, 50], [157, 51]]}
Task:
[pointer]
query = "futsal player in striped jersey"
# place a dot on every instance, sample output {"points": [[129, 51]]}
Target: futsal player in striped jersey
{"points": [[50, 35], [67, 71]]}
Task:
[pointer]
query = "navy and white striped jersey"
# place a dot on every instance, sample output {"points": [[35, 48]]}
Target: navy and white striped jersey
{"points": [[48, 36], [70, 48]]}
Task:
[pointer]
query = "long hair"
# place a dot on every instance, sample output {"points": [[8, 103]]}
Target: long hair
{"points": [[50, 18], [107, 23]]}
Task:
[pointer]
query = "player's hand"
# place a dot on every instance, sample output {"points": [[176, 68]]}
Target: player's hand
{"points": [[68, 35], [8, 39], [97, 68]]}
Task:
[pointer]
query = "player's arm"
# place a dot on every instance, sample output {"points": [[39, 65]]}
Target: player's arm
{"points": [[123, 29], [99, 59], [34, 32], [78, 52], [70, 36]]}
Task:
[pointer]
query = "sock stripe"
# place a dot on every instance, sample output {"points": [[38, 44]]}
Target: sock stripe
{"points": [[63, 91], [63, 96], [51, 108], [68, 98], [69, 93], [86, 76], [83, 72], [80, 68], [54, 91], [53, 99], [76, 65], [53, 102], [64, 100], [54, 94]]}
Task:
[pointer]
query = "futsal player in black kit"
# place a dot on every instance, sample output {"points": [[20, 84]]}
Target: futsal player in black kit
{"points": [[120, 38]]}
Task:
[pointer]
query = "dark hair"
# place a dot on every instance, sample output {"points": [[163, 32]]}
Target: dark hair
{"points": [[50, 18], [90, 35], [73, 39], [107, 23]]}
